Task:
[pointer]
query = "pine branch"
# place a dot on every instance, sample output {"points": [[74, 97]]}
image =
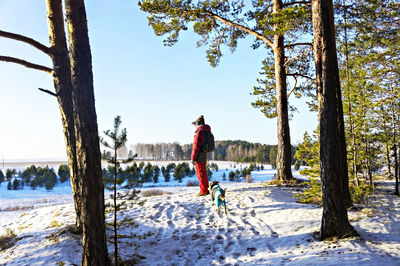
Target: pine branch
{"points": [[25, 63], [27, 40], [49, 92], [243, 28]]}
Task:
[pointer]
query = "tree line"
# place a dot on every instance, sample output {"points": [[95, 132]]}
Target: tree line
{"points": [[34, 177], [226, 150]]}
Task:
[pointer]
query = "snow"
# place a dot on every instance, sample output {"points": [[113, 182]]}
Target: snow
{"points": [[265, 226]]}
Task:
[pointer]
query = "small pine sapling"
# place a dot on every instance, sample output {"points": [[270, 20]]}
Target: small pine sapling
{"points": [[121, 201]]}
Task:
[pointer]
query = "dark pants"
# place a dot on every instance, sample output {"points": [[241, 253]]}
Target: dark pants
{"points": [[202, 176]]}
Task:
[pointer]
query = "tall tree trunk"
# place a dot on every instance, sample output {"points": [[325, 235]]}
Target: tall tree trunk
{"points": [[396, 164], [63, 88], [396, 168], [334, 218], [388, 162], [284, 156], [115, 209], [346, 197], [94, 247], [397, 173]]}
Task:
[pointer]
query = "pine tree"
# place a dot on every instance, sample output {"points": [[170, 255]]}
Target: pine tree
{"points": [[224, 23], [333, 156], [370, 49], [156, 174], [272, 157], [120, 200], [63, 173]]}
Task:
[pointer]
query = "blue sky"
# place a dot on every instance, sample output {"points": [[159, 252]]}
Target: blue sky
{"points": [[157, 90]]}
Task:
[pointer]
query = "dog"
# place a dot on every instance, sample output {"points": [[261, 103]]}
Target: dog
{"points": [[218, 195]]}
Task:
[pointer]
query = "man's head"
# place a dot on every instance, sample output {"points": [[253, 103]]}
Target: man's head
{"points": [[199, 121]]}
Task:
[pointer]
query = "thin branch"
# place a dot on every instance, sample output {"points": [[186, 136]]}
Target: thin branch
{"points": [[294, 87], [25, 63], [296, 3], [243, 28], [49, 92], [27, 40], [300, 75], [298, 44]]}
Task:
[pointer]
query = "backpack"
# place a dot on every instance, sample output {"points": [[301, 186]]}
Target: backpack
{"points": [[209, 143]]}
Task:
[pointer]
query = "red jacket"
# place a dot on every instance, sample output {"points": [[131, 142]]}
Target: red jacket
{"points": [[199, 140]]}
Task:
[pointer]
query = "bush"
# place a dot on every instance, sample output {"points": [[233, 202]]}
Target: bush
{"points": [[231, 176], [192, 183], [154, 192], [63, 173], [312, 194], [251, 167], [245, 172], [133, 174], [180, 171], [167, 176], [9, 174], [33, 184], [297, 165], [44, 177], [214, 166], [237, 175], [156, 174], [148, 173], [15, 184], [361, 192], [7, 240]]}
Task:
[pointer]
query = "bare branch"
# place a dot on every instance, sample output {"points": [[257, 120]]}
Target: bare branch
{"points": [[49, 92], [298, 44], [300, 75], [294, 87], [296, 3], [243, 28], [25, 63], [27, 40]]}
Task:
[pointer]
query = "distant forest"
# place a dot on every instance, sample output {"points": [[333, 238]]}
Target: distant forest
{"points": [[226, 150]]}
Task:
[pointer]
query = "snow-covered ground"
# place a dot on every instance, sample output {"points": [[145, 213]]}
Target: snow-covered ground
{"points": [[265, 226]]}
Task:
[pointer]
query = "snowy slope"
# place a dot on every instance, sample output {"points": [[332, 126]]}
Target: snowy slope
{"points": [[264, 226]]}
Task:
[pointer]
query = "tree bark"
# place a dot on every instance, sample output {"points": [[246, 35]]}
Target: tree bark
{"points": [[284, 160], [94, 246], [63, 88], [332, 146], [396, 164]]}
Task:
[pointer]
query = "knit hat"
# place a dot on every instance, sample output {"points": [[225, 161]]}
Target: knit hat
{"points": [[199, 121]]}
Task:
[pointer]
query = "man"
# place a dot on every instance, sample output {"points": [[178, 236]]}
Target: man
{"points": [[199, 156]]}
